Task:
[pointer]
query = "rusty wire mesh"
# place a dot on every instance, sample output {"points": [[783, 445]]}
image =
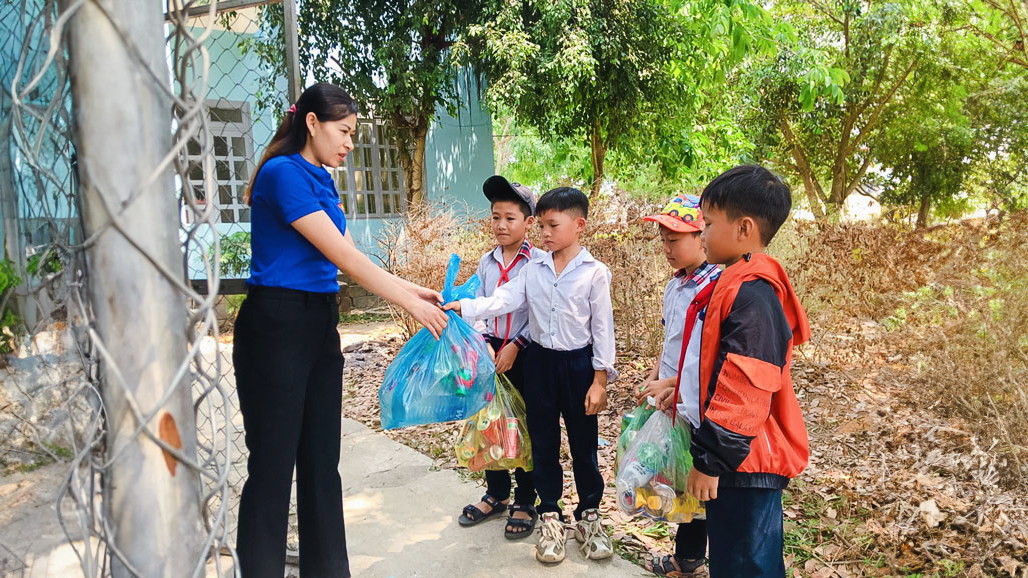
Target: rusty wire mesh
{"points": [[223, 110]]}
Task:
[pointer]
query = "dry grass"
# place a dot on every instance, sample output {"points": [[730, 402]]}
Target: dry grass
{"points": [[954, 302], [418, 248]]}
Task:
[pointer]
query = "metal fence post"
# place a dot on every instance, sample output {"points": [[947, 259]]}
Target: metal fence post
{"points": [[123, 132]]}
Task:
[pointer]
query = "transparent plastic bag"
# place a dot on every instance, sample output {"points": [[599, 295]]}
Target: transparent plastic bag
{"points": [[434, 381], [654, 471], [631, 423], [496, 438]]}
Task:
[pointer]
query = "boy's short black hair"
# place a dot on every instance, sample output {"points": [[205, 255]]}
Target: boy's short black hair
{"points": [[525, 209], [565, 200], [751, 191]]}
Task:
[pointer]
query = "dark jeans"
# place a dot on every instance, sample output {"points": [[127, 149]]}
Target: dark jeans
{"points": [[497, 482], [555, 385], [289, 371], [691, 540], [744, 526]]}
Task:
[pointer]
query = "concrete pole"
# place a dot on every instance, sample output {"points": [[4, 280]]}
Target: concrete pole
{"points": [[123, 128], [292, 50]]}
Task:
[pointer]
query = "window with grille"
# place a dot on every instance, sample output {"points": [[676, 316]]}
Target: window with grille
{"points": [[371, 183], [233, 160]]}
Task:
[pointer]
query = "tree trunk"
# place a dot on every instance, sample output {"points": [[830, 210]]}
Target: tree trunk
{"points": [[502, 145], [150, 498], [837, 196], [599, 153], [411, 136], [923, 211], [810, 184]]}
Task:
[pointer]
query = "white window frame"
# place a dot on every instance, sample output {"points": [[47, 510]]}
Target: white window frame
{"points": [[229, 183], [374, 161]]}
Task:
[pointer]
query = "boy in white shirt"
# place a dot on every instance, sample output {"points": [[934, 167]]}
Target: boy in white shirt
{"points": [[512, 205], [567, 366], [676, 376]]}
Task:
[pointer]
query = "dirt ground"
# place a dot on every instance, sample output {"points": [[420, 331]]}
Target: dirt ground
{"points": [[892, 489]]}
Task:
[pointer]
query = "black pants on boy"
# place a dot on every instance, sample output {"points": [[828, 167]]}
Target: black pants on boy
{"points": [[497, 482], [691, 540], [555, 385], [289, 373]]}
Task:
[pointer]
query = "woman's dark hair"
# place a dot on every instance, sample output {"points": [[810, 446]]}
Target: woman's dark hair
{"points": [[328, 102]]}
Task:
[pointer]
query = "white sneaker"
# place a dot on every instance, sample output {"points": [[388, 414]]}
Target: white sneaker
{"points": [[550, 549], [589, 531]]}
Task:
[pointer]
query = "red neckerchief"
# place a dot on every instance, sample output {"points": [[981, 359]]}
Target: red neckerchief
{"points": [[526, 252], [699, 302]]}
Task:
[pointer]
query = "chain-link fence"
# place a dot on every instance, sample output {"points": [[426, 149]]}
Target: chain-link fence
{"points": [[127, 138]]}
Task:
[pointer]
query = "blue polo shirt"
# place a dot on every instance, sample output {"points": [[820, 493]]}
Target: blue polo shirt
{"points": [[287, 188]]}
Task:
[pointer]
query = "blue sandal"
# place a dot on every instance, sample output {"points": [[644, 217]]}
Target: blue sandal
{"points": [[472, 515]]}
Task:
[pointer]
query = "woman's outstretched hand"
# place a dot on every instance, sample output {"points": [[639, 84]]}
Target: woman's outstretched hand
{"points": [[426, 294], [428, 314]]}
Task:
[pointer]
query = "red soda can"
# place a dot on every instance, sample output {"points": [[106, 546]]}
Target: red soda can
{"points": [[511, 438]]}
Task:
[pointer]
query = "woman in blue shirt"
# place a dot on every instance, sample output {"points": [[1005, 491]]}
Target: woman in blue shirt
{"points": [[288, 364]]}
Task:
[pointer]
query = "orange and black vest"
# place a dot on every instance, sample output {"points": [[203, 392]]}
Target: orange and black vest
{"points": [[751, 430]]}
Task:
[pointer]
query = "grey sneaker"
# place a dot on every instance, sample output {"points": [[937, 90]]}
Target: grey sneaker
{"points": [[596, 544], [550, 549]]}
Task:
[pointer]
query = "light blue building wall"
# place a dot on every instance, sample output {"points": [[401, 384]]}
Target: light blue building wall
{"points": [[458, 159]]}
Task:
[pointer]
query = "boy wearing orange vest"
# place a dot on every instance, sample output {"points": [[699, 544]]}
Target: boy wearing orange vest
{"points": [[752, 439]]}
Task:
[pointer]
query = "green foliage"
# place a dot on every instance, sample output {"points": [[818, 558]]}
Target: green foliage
{"points": [[393, 57], [637, 80], [585, 70], [9, 279], [817, 108], [47, 262], [235, 254]]}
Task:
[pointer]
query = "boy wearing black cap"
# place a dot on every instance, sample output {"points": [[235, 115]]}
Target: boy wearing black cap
{"points": [[512, 205]]}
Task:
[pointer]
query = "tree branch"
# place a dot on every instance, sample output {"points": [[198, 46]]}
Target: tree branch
{"points": [[878, 82], [815, 194], [873, 120], [858, 177], [826, 12]]}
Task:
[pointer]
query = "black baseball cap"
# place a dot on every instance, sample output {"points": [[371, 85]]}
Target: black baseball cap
{"points": [[497, 188]]}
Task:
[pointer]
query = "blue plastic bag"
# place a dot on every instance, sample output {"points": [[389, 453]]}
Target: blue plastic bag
{"points": [[436, 381]]}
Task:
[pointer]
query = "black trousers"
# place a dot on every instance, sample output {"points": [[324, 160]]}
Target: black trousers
{"points": [[289, 372], [497, 482], [691, 540], [555, 385]]}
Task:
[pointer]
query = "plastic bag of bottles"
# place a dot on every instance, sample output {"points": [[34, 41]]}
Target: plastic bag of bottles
{"points": [[631, 423], [496, 438], [433, 381], [654, 471]]}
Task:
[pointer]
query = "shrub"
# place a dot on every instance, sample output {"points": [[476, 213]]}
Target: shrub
{"points": [[417, 249]]}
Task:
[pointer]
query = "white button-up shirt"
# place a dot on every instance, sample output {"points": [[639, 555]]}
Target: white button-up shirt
{"points": [[678, 294], [491, 273], [565, 312]]}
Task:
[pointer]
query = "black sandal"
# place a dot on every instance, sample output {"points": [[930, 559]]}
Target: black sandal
{"points": [[518, 528], [472, 515], [674, 568]]}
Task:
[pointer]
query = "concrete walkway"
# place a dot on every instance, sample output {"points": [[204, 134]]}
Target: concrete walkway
{"points": [[401, 521]]}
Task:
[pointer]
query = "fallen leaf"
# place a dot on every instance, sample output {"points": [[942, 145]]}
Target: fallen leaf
{"points": [[930, 513]]}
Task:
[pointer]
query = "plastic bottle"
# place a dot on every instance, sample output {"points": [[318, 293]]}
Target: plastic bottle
{"points": [[659, 504]]}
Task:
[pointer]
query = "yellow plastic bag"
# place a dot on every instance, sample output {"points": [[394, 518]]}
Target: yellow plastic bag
{"points": [[496, 438]]}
